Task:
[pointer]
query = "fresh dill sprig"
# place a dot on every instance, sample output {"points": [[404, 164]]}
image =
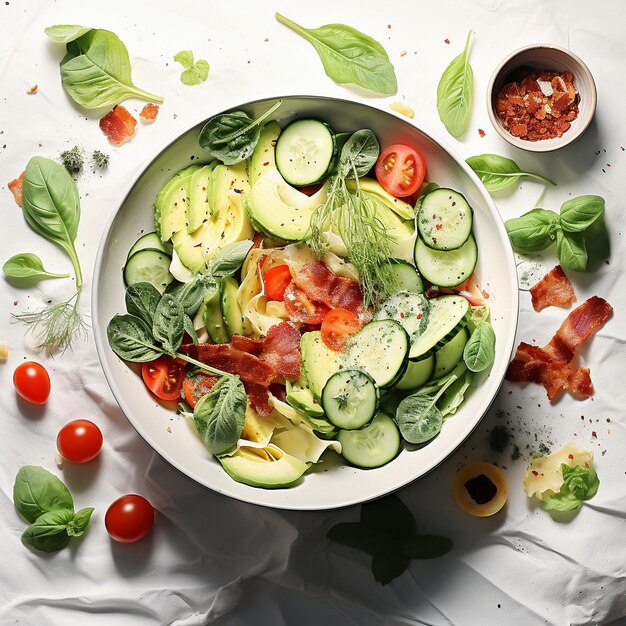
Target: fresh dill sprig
{"points": [[100, 159], [73, 160]]}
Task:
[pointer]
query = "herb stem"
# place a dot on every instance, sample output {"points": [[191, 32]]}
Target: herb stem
{"points": [[146, 95], [204, 366], [71, 251]]}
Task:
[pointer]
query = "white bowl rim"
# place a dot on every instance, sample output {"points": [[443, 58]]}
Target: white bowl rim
{"points": [[252, 499]]}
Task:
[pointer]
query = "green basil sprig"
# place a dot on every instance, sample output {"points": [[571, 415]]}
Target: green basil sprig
{"points": [[349, 56], [195, 72], [64, 33], [229, 259], [497, 172], [579, 484], [168, 325], [28, 266], [455, 93], [480, 350], [44, 501], [142, 300]]}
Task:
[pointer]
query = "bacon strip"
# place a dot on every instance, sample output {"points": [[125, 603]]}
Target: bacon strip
{"points": [[552, 365], [15, 187], [118, 125], [259, 399], [554, 289]]}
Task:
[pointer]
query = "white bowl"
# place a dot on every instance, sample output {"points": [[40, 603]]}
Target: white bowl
{"points": [[332, 483]]}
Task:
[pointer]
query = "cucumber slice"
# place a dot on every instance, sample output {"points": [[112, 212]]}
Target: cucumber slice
{"points": [[445, 220], [372, 446], [149, 240], [447, 315], [305, 151], [450, 354], [446, 269], [149, 266], [417, 374], [410, 310], [381, 349], [350, 399], [407, 276]]}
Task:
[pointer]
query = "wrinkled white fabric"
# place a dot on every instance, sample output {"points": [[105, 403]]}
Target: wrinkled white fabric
{"points": [[214, 560]]}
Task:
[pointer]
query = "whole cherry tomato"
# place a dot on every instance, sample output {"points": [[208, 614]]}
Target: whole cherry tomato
{"points": [[129, 518], [79, 441], [32, 382]]}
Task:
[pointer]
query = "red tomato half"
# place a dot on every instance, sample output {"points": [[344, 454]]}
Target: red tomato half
{"points": [[276, 281], [164, 377], [32, 382], [129, 518], [400, 169], [338, 326], [301, 308], [79, 441]]}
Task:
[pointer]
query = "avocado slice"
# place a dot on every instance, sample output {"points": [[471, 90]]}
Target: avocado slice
{"points": [[318, 361], [263, 158], [263, 467], [398, 206], [198, 207], [231, 311], [159, 201], [213, 320], [174, 213]]}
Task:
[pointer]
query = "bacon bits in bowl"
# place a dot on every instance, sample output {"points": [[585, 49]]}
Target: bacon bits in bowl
{"points": [[298, 314], [541, 98]]}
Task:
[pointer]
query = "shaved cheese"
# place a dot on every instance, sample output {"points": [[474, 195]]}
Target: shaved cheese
{"points": [[304, 445]]}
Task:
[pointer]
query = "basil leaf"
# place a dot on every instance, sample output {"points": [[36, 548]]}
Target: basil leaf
{"points": [[389, 514], [561, 502], [79, 522], [36, 491], [232, 137], [48, 533], [497, 172], [583, 482], [577, 214], [480, 350], [191, 294], [230, 258], [455, 93], [189, 329], [185, 58], [418, 418], [194, 73], [28, 265], [219, 416], [95, 72], [64, 33], [359, 154], [571, 250], [349, 56], [168, 325], [532, 232], [142, 300], [51, 206], [453, 396], [365, 538], [426, 547], [386, 567], [131, 339]]}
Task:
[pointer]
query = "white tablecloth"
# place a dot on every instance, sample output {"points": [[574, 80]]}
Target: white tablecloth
{"points": [[212, 559]]}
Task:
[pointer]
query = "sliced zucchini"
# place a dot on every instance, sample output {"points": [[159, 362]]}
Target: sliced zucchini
{"points": [[305, 151], [350, 399], [450, 354], [407, 276], [410, 310], [373, 446], [417, 373], [149, 266], [152, 241], [446, 269], [445, 220], [381, 349], [447, 315]]}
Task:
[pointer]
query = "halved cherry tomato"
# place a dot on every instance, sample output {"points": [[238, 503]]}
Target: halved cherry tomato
{"points": [[79, 441], [276, 281], [301, 308], [194, 387], [164, 377], [129, 518], [32, 382], [400, 169], [338, 326]]}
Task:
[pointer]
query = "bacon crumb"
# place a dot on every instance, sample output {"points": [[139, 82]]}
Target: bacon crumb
{"points": [[15, 187], [481, 132], [32, 89], [446, 40], [118, 125], [554, 289], [149, 113]]}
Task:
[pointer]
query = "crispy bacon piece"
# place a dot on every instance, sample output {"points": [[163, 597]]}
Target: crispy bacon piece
{"points": [[552, 365], [259, 398], [118, 125], [15, 187], [247, 344], [149, 113], [334, 291], [554, 289]]}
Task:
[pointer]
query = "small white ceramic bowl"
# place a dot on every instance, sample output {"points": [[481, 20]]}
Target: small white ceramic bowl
{"points": [[545, 57]]}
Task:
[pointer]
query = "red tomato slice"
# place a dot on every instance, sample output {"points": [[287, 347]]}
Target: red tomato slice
{"points": [[164, 377], [338, 326], [276, 281], [301, 308], [400, 169]]}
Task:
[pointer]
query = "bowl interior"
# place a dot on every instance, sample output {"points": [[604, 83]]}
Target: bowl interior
{"points": [[546, 58], [332, 483]]}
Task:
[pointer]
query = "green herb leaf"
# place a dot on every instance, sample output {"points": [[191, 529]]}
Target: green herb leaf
{"points": [[389, 514], [28, 265], [497, 172], [168, 325], [131, 339], [219, 416], [418, 418], [230, 258], [96, 71], [571, 250], [79, 523], [232, 137], [453, 396], [349, 56], [194, 73], [534, 231], [64, 33], [142, 300], [48, 533], [583, 482], [189, 329], [480, 350], [434, 386], [365, 538], [426, 547], [36, 491], [359, 154], [386, 567], [455, 93], [577, 214], [191, 294]]}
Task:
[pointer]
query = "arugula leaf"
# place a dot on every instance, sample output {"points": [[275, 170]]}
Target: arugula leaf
{"points": [[571, 250], [64, 33], [36, 491], [534, 231], [142, 300], [497, 172], [28, 265], [349, 56], [168, 325], [131, 339], [194, 73], [577, 214], [480, 350]]}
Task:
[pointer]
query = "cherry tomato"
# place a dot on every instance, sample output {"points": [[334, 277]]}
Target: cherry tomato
{"points": [[129, 518], [338, 326], [301, 308], [196, 387], [276, 281], [32, 382], [164, 377], [400, 169], [79, 441]]}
